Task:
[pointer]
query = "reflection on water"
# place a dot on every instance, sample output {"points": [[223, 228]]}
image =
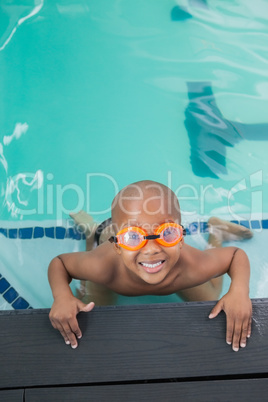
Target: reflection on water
{"points": [[210, 133], [16, 15]]}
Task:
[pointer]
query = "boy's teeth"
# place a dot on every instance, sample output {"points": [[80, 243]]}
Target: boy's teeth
{"points": [[151, 265]]}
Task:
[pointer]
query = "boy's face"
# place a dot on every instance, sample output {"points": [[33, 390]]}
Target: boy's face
{"points": [[153, 262]]}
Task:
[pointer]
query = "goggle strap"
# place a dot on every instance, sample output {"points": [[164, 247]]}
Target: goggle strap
{"points": [[152, 237], [113, 239]]}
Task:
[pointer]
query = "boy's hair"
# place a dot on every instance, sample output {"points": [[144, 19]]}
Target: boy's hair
{"points": [[145, 192]]}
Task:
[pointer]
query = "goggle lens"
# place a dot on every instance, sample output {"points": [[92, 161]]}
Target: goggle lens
{"points": [[171, 234], [131, 238]]}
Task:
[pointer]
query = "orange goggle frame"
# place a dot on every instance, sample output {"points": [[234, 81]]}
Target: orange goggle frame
{"points": [[133, 238]]}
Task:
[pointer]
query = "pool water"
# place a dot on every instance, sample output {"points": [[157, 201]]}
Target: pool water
{"points": [[97, 94]]}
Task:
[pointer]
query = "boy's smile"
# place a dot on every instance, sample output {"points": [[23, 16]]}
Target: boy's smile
{"points": [[152, 267]]}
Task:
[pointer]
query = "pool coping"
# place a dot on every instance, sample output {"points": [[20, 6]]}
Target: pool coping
{"points": [[137, 347]]}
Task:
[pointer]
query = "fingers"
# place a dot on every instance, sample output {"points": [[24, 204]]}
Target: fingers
{"points": [[249, 327], [238, 319], [237, 333], [244, 332], [64, 319], [69, 330], [68, 335], [88, 307], [216, 310], [229, 331]]}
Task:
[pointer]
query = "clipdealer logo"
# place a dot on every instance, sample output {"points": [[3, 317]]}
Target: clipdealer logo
{"points": [[28, 194]]}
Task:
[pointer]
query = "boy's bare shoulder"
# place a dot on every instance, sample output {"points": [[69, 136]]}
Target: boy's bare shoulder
{"points": [[203, 265], [209, 255], [98, 265]]}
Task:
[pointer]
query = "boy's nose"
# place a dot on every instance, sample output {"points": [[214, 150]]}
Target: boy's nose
{"points": [[152, 247]]}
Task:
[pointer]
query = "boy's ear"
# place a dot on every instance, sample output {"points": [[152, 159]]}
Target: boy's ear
{"points": [[182, 242], [117, 248]]}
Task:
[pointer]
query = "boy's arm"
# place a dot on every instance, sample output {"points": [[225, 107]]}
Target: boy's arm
{"points": [[236, 303], [65, 307], [84, 265]]}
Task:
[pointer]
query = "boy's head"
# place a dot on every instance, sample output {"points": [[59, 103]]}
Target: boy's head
{"points": [[147, 197], [147, 205]]}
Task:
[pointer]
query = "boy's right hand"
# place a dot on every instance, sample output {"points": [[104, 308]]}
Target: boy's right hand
{"points": [[63, 317]]}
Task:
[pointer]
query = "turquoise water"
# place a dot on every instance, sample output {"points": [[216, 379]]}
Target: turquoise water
{"points": [[97, 94]]}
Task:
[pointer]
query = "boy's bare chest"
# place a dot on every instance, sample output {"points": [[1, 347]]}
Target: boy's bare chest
{"points": [[129, 285], [178, 278]]}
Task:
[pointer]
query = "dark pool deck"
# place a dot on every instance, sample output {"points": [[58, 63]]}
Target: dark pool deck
{"points": [[160, 352]]}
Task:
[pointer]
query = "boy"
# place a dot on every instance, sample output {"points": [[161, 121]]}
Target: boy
{"points": [[147, 256]]}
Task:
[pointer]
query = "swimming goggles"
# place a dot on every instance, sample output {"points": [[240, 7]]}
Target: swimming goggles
{"points": [[133, 238]]}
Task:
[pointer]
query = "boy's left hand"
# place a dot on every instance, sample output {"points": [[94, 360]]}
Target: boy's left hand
{"points": [[238, 309]]}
